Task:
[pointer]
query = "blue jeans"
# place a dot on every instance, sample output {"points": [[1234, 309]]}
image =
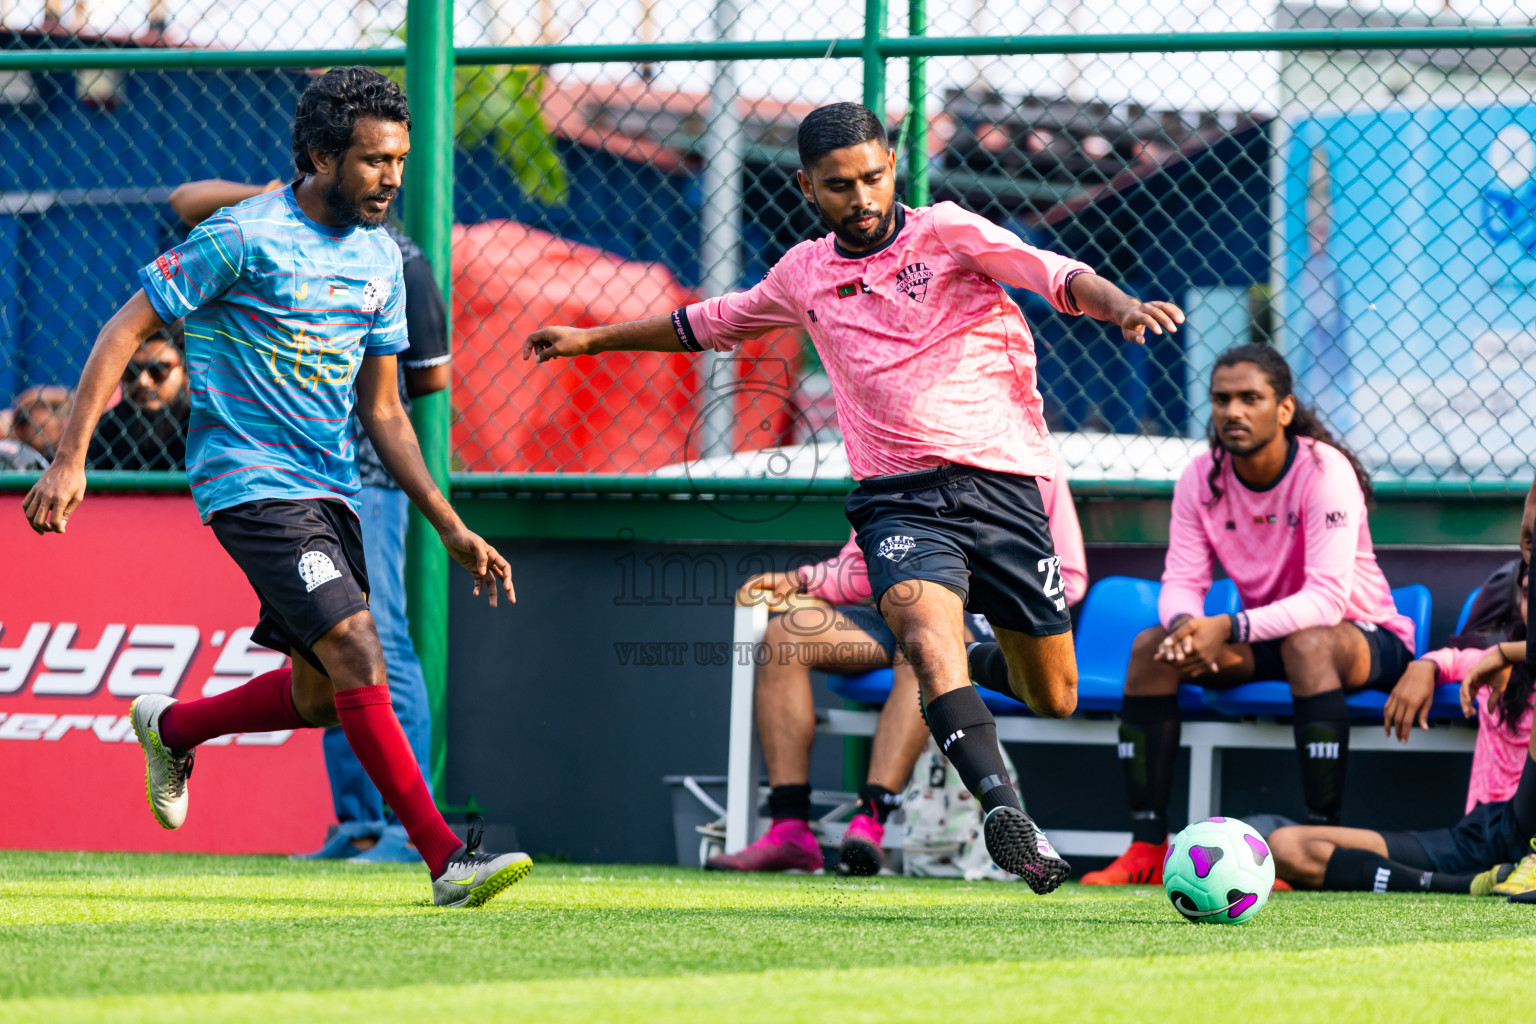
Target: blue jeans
{"points": [[359, 808]]}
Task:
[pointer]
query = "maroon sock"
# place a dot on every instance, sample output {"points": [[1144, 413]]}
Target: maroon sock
{"points": [[265, 704], [368, 718]]}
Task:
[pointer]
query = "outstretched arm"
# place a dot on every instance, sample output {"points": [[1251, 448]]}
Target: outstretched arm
{"points": [[720, 323], [389, 428], [52, 500], [1103, 301], [1069, 285], [196, 201], [655, 334]]}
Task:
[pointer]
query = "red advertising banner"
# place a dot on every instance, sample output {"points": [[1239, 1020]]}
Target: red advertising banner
{"points": [[136, 598]]}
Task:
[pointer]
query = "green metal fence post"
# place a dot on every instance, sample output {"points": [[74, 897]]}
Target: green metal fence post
{"points": [[874, 62], [429, 220], [917, 110]]}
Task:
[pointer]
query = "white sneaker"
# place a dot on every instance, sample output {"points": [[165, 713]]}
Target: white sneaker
{"points": [[165, 774]]}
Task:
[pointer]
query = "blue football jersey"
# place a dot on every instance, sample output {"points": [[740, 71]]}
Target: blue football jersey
{"points": [[280, 311]]}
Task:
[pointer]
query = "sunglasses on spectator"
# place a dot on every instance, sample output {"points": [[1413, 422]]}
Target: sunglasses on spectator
{"points": [[158, 372]]}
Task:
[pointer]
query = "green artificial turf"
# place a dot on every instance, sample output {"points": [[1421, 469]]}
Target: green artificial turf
{"points": [[156, 938]]}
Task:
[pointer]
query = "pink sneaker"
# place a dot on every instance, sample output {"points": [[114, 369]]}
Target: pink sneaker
{"points": [[788, 846], [861, 847]]}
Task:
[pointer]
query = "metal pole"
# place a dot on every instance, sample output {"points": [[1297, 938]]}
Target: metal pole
{"points": [[874, 63], [720, 244], [917, 110], [429, 220]]}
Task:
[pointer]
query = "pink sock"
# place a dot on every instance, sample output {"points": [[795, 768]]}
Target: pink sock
{"points": [[265, 704], [368, 718]]}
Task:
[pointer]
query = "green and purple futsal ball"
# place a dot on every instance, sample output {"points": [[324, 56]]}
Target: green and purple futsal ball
{"points": [[1218, 870]]}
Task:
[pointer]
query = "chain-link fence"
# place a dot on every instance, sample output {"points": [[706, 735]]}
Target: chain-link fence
{"points": [[1369, 210]]}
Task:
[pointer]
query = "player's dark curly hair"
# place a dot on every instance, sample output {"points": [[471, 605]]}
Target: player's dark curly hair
{"points": [[1515, 701], [837, 126], [330, 108], [1305, 423]]}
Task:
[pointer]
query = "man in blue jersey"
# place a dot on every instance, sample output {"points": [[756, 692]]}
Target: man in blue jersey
{"points": [[295, 309], [365, 828]]}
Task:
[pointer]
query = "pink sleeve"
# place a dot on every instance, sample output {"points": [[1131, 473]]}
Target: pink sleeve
{"points": [[1452, 663], [726, 321], [979, 245], [841, 579], [1333, 512], [1187, 569], [1066, 536]]}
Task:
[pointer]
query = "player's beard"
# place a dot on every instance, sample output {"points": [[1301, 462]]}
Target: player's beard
{"points": [[347, 214], [1244, 449], [860, 239]]}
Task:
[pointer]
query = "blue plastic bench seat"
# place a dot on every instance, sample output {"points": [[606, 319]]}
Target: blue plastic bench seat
{"points": [[875, 687], [1116, 609]]}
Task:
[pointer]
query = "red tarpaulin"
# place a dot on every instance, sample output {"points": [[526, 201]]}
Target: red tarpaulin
{"points": [[618, 413]]}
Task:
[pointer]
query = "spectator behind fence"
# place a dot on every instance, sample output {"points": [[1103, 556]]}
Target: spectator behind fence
{"points": [[39, 416], [13, 454], [148, 428], [366, 829]]}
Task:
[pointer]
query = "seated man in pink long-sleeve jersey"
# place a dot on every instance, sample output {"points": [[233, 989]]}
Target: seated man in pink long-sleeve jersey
{"points": [[1476, 854], [1281, 504], [829, 625], [933, 370]]}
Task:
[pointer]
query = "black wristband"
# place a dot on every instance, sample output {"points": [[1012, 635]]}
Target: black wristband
{"points": [[684, 330], [1239, 634]]}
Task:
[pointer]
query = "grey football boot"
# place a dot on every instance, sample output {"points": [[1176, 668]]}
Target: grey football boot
{"points": [[165, 772], [471, 879]]}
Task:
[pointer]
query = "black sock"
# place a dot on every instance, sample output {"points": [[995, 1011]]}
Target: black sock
{"points": [[1322, 748], [877, 801], [1149, 745], [1364, 871], [967, 735], [988, 667], [790, 801], [1523, 804]]}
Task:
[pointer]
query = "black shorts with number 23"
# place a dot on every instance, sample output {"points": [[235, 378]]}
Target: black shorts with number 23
{"points": [[983, 534]]}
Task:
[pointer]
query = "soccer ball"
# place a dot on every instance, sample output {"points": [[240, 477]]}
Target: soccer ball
{"points": [[1218, 870]]}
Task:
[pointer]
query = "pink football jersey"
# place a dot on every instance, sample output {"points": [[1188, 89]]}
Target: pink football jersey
{"points": [[930, 361], [1500, 754], [1299, 551]]}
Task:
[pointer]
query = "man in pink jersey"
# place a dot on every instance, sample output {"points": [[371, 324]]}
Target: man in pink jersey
{"points": [[933, 370], [828, 625], [1282, 506]]}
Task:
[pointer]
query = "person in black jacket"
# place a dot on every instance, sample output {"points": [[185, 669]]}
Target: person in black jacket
{"points": [[148, 428]]}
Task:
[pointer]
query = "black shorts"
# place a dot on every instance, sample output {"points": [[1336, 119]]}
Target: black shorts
{"points": [[1390, 658], [1485, 837], [867, 618], [982, 534], [305, 561]]}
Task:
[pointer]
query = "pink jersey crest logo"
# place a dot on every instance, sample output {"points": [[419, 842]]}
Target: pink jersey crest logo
{"points": [[912, 281]]}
